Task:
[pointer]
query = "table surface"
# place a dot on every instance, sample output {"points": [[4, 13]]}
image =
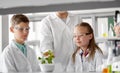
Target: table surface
{"points": [[56, 72]]}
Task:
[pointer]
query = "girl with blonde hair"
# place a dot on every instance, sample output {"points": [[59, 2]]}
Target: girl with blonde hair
{"points": [[88, 56]]}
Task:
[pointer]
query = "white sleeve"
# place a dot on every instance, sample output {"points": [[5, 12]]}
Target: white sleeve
{"points": [[46, 37], [35, 62]]}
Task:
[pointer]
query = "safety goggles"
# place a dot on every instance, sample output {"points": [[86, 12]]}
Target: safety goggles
{"points": [[21, 29]]}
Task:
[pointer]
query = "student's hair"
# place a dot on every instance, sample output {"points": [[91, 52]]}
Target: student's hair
{"points": [[18, 18], [92, 45]]}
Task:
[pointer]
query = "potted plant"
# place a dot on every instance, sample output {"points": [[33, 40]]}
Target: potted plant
{"points": [[46, 61]]}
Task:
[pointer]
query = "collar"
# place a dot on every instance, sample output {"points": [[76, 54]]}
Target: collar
{"points": [[22, 47], [19, 45], [84, 53], [54, 16]]}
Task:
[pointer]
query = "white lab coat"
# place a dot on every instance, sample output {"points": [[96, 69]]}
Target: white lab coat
{"points": [[57, 35], [13, 60], [83, 65]]}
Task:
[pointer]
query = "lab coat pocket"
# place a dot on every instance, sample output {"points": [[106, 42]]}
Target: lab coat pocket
{"points": [[78, 68], [92, 67], [23, 68]]}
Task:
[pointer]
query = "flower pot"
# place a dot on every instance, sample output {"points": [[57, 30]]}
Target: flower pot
{"points": [[47, 67]]}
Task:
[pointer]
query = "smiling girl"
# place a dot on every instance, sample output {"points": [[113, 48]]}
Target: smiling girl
{"points": [[88, 56]]}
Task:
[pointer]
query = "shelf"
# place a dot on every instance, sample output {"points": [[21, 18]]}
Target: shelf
{"points": [[102, 39]]}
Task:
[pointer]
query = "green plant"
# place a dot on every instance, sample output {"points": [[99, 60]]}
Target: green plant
{"points": [[47, 57]]}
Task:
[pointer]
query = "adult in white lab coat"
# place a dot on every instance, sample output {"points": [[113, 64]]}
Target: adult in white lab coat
{"points": [[56, 34], [17, 56], [88, 56]]}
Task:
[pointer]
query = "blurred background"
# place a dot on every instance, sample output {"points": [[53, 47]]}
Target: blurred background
{"points": [[101, 14]]}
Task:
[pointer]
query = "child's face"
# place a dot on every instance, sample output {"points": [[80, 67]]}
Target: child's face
{"points": [[117, 30], [20, 32], [82, 36]]}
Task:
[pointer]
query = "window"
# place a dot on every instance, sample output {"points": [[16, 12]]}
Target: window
{"points": [[10, 34], [105, 26], [31, 31], [88, 20]]}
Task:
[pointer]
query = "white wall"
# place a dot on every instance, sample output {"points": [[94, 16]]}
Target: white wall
{"points": [[4, 33], [0, 34]]}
